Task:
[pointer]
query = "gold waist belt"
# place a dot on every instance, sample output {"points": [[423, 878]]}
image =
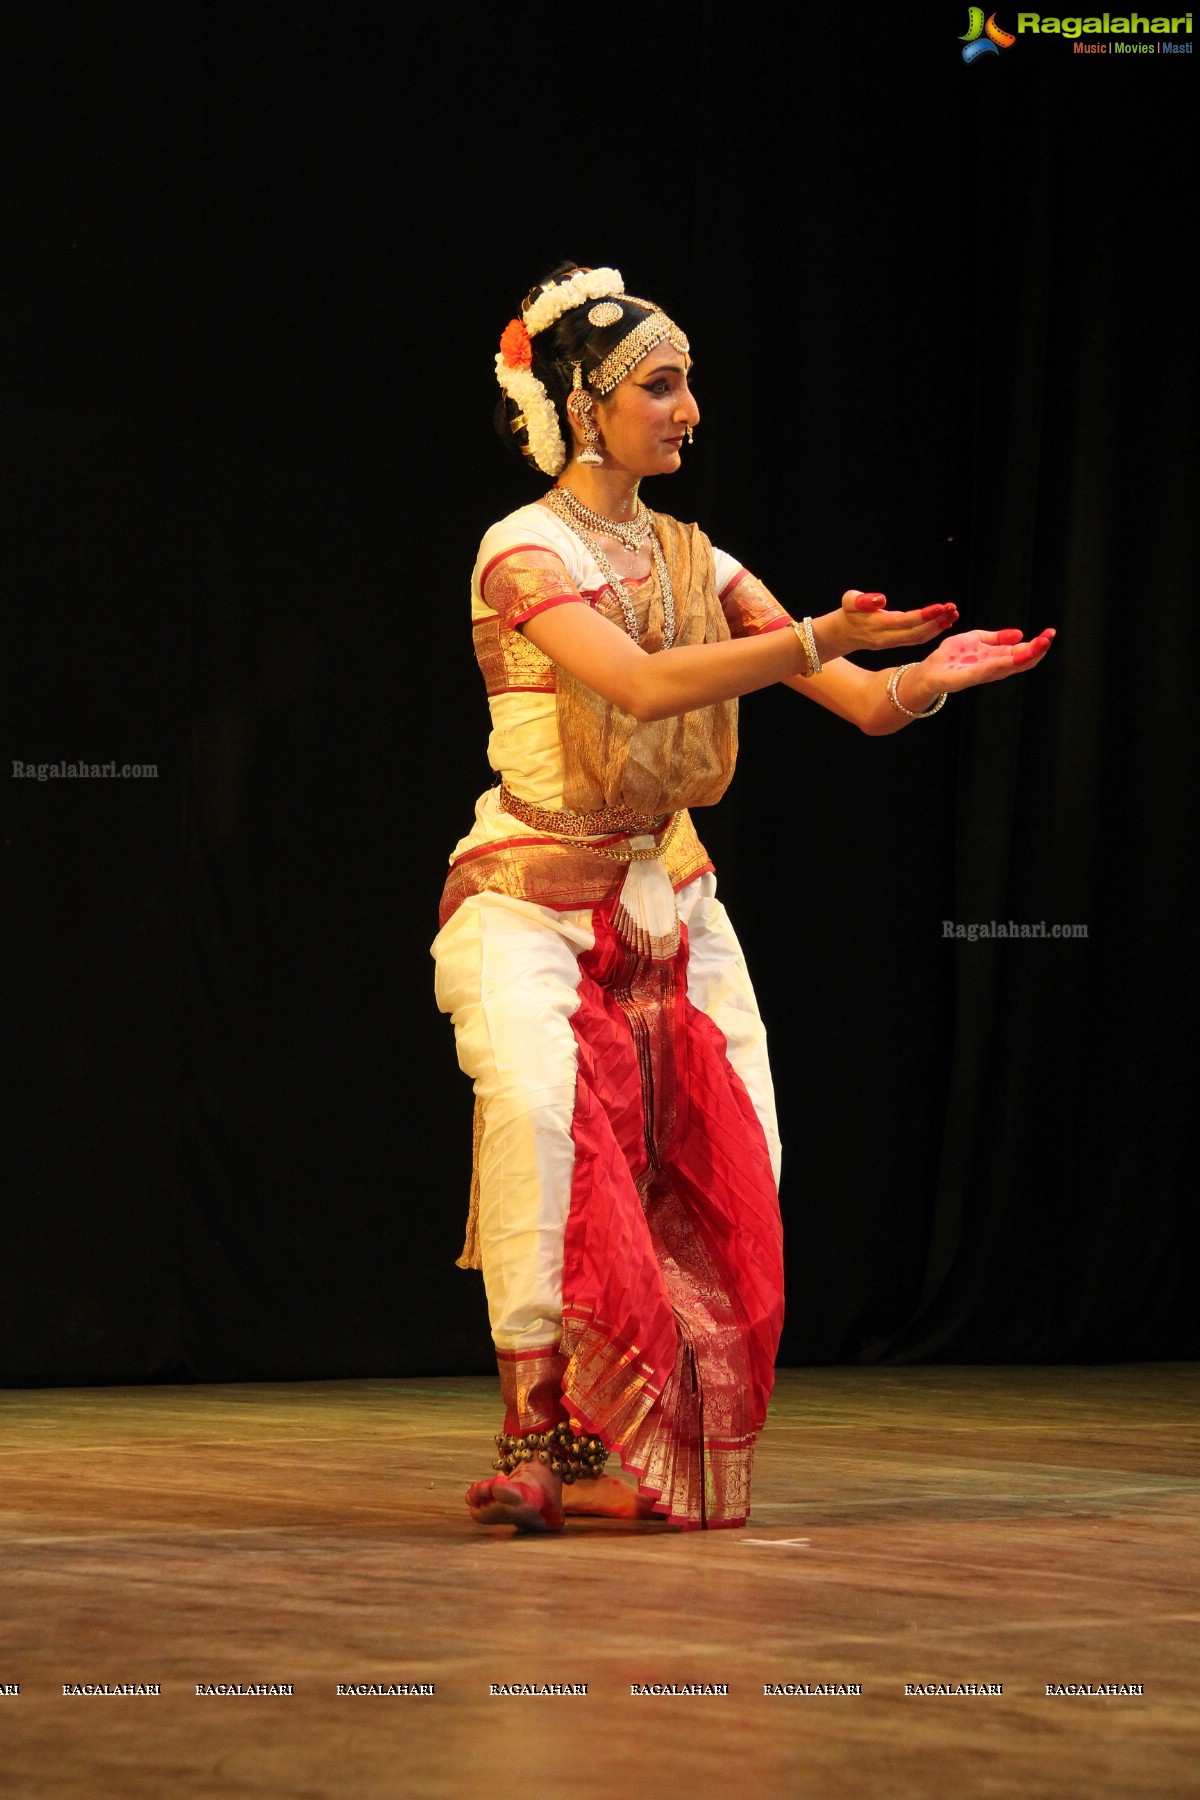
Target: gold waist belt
{"points": [[606, 821]]}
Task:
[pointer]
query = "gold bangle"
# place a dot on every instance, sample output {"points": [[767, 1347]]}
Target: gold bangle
{"points": [[808, 643], [893, 696]]}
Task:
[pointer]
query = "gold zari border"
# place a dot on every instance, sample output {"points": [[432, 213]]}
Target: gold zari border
{"points": [[699, 1479], [565, 823], [531, 1388], [561, 875]]}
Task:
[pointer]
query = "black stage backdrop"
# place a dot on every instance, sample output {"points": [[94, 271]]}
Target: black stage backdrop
{"points": [[262, 254]]}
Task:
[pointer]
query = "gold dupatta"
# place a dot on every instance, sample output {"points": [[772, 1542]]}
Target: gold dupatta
{"points": [[664, 764]]}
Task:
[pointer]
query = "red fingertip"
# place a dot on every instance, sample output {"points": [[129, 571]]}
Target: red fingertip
{"points": [[1010, 635], [870, 602], [933, 612]]}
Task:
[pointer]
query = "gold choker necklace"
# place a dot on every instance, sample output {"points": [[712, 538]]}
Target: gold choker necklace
{"points": [[630, 532], [612, 579]]}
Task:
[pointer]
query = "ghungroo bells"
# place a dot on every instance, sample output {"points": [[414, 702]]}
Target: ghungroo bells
{"points": [[568, 1455]]}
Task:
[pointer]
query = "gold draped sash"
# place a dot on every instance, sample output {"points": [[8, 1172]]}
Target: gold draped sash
{"points": [[663, 764]]}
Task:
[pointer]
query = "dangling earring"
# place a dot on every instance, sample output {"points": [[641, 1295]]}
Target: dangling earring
{"points": [[689, 430], [583, 410], [591, 437]]}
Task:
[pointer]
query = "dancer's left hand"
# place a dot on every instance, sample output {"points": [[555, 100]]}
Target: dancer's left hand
{"points": [[971, 657]]}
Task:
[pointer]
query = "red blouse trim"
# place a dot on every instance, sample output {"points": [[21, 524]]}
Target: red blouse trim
{"points": [[626, 581], [732, 583], [514, 550], [541, 605]]}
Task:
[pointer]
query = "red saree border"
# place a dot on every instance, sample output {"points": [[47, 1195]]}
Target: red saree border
{"points": [[531, 1384]]}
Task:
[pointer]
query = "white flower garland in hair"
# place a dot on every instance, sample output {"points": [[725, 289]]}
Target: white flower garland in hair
{"points": [[553, 302], [546, 445]]}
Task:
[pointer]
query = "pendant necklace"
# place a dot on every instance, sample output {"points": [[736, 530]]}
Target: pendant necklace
{"points": [[572, 513]]}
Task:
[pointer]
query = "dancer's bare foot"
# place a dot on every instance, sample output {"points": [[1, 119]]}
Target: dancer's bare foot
{"points": [[530, 1498], [606, 1497]]}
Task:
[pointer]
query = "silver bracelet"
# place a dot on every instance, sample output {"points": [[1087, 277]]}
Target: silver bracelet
{"points": [[808, 643], [894, 683]]}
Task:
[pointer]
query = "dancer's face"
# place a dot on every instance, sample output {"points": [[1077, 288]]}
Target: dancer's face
{"points": [[644, 420]]}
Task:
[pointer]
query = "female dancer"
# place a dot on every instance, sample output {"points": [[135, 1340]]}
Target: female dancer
{"points": [[624, 1206]]}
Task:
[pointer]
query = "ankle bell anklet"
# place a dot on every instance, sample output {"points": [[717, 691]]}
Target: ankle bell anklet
{"points": [[568, 1456]]}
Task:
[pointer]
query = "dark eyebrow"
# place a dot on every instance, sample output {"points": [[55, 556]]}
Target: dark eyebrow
{"points": [[671, 369]]}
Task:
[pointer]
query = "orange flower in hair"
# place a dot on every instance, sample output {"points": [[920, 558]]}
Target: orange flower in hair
{"points": [[515, 346]]}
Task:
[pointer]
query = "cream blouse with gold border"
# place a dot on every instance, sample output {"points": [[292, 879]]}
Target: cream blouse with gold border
{"points": [[527, 562]]}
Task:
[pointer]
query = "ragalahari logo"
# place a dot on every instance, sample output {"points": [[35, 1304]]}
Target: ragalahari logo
{"points": [[983, 39]]}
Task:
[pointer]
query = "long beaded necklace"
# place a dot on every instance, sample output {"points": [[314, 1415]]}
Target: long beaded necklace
{"points": [[566, 514]]}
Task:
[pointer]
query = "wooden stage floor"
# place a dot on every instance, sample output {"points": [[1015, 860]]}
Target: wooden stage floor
{"points": [[1019, 1528]]}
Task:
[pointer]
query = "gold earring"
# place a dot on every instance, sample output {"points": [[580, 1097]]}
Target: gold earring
{"points": [[590, 454]]}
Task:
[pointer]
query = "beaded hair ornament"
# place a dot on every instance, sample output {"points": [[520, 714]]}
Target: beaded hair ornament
{"points": [[535, 409]]}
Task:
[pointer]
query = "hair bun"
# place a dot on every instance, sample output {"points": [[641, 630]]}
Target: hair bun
{"points": [[561, 272]]}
